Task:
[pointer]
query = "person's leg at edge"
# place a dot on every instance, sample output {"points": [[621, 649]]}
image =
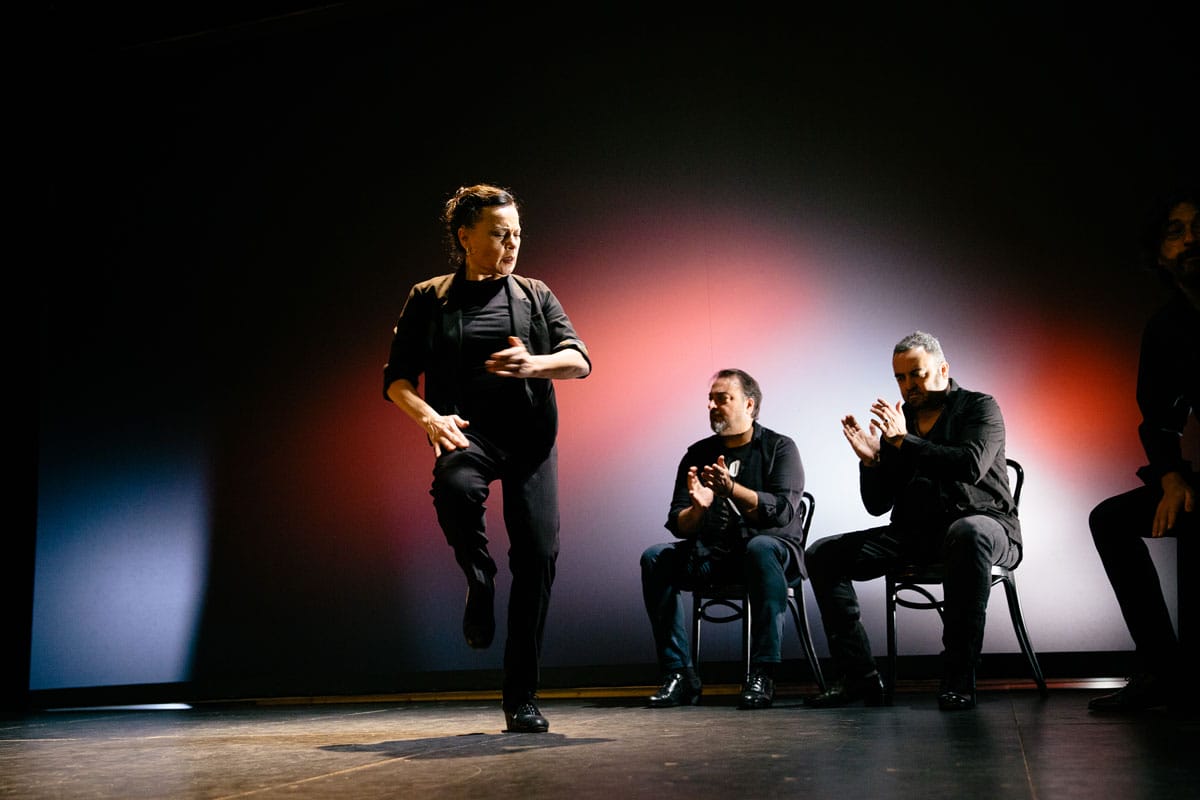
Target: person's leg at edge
{"points": [[834, 563], [531, 518], [1120, 525], [971, 546], [664, 571]]}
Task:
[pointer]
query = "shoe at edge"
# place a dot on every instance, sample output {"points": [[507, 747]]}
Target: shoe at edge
{"points": [[1142, 692]]}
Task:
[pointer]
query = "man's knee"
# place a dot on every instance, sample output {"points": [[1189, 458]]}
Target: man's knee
{"points": [[646, 562], [961, 536], [978, 532], [657, 557], [823, 555], [765, 554], [1100, 520], [974, 545], [815, 553], [765, 549], [818, 559]]}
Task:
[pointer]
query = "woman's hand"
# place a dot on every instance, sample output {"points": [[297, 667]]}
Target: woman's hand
{"points": [[445, 432], [515, 361]]}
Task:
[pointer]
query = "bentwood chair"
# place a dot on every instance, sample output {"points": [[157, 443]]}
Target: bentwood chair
{"points": [[731, 603], [907, 586]]}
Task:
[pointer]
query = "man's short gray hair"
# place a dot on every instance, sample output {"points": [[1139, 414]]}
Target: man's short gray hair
{"points": [[920, 339]]}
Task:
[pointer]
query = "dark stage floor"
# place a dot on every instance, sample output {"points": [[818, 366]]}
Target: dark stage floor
{"points": [[606, 744]]}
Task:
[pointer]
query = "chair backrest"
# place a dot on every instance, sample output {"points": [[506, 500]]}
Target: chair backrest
{"points": [[1018, 479], [809, 504]]}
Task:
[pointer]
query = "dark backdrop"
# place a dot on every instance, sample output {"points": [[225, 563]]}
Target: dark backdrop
{"points": [[238, 203]]}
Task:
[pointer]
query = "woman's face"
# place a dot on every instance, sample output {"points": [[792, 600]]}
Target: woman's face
{"points": [[492, 243]]}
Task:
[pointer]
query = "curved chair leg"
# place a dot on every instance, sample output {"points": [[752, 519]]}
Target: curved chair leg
{"points": [[892, 590], [800, 618], [1018, 621], [795, 602], [745, 637], [890, 615], [738, 608]]}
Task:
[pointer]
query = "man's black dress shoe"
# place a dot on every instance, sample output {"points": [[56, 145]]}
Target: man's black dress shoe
{"points": [[1144, 691], [957, 692], [869, 689], [758, 691], [677, 690], [479, 619], [525, 718], [956, 701]]}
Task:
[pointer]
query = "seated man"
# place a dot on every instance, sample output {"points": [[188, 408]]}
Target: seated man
{"points": [[936, 461], [1168, 392], [736, 511]]}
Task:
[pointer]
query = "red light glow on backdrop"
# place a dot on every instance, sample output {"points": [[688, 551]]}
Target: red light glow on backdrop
{"points": [[660, 314]]}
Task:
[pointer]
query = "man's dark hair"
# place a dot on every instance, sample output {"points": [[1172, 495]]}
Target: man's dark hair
{"points": [[1154, 224]]}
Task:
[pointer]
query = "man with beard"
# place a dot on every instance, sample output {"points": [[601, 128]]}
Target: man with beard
{"points": [[1168, 393], [738, 517], [936, 461]]}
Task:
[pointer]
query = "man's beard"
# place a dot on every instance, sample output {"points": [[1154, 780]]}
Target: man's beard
{"points": [[719, 425], [927, 400], [1187, 268]]}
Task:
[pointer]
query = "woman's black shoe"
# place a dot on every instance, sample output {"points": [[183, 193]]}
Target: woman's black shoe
{"points": [[526, 718]]}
